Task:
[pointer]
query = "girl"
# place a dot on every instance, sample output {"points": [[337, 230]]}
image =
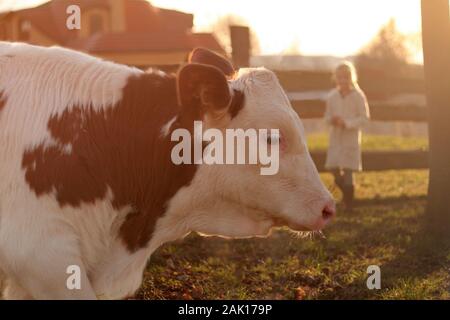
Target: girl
{"points": [[347, 111]]}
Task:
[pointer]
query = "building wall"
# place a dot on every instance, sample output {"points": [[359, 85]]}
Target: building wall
{"points": [[39, 38], [11, 25], [14, 21], [5, 29]]}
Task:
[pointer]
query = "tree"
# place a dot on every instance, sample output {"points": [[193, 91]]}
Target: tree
{"points": [[221, 28], [388, 50], [436, 49]]}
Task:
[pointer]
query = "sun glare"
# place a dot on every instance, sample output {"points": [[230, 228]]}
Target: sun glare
{"points": [[319, 27]]}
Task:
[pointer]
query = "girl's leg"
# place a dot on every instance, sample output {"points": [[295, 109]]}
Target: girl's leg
{"points": [[338, 178], [348, 187]]}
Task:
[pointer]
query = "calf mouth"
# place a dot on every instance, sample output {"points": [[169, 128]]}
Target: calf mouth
{"points": [[327, 215], [280, 222]]}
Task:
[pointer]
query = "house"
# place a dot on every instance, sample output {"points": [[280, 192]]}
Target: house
{"points": [[131, 32]]}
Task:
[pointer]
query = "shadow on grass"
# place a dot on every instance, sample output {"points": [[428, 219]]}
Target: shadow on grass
{"points": [[421, 251], [429, 251], [387, 200]]}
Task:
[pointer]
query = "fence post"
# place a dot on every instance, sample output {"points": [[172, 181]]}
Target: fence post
{"points": [[436, 49]]}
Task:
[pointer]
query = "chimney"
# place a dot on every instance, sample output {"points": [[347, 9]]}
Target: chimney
{"points": [[240, 46], [118, 22]]}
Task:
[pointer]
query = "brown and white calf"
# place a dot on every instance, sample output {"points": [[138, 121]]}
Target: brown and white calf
{"points": [[86, 176]]}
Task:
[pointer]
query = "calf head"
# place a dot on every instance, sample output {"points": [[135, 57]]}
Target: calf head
{"points": [[236, 200]]}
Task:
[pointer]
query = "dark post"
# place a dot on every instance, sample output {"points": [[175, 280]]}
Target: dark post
{"points": [[240, 45], [436, 49]]}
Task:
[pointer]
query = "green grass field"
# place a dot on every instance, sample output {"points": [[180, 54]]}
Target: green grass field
{"points": [[319, 141], [384, 229]]}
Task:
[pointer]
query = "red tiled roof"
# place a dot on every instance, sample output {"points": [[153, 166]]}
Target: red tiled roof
{"points": [[148, 28]]}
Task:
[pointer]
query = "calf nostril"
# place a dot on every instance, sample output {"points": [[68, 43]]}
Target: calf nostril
{"points": [[328, 212]]}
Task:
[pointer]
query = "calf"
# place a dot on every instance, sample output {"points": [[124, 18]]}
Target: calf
{"points": [[87, 178]]}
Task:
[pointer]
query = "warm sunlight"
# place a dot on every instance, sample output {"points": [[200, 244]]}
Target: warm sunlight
{"points": [[320, 27], [232, 152]]}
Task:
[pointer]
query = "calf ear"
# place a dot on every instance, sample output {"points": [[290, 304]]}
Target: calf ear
{"points": [[203, 89], [208, 57]]}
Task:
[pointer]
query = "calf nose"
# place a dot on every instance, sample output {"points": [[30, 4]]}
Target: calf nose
{"points": [[328, 211]]}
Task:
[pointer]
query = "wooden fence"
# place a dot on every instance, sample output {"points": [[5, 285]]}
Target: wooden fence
{"points": [[376, 84], [310, 109], [299, 81]]}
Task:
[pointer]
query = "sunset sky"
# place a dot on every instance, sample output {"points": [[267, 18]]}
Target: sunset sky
{"points": [[320, 27]]}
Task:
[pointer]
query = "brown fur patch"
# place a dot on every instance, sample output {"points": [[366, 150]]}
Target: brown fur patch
{"points": [[118, 148], [237, 103], [2, 101]]}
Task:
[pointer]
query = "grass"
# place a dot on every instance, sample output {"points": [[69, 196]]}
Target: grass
{"points": [[319, 141], [385, 229]]}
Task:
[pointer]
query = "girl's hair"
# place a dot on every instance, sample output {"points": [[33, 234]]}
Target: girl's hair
{"points": [[350, 68]]}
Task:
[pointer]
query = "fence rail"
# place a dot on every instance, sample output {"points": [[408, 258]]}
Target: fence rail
{"points": [[310, 109], [376, 85]]}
